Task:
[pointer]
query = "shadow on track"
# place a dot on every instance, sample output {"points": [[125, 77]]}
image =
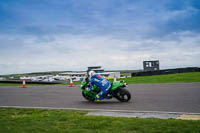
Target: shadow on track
{"points": [[103, 102]]}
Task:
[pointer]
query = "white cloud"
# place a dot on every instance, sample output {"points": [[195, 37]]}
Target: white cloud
{"points": [[69, 52]]}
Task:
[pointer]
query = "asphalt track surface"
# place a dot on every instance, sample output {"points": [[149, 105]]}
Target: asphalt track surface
{"points": [[169, 97]]}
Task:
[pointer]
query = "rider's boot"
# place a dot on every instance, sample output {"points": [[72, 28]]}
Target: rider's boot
{"points": [[97, 98]]}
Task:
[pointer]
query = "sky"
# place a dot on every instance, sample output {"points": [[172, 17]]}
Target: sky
{"points": [[62, 35]]}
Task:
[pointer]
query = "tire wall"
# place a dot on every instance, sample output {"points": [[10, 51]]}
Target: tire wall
{"points": [[166, 71]]}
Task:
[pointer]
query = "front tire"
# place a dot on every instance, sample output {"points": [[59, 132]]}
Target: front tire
{"points": [[87, 97], [123, 95]]}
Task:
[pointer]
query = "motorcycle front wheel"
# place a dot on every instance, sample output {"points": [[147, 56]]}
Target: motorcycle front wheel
{"points": [[123, 95], [87, 97]]}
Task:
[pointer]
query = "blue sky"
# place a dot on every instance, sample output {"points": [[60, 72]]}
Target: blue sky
{"points": [[50, 35]]}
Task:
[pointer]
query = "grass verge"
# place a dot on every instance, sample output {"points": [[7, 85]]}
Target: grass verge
{"points": [[20, 84], [70, 121], [169, 78]]}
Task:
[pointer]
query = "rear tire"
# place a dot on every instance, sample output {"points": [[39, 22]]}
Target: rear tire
{"points": [[123, 95], [87, 97]]}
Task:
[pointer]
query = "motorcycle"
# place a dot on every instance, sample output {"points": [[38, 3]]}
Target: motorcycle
{"points": [[117, 91]]}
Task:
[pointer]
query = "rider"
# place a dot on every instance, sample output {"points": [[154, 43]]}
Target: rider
{"points": [[101, 83]]}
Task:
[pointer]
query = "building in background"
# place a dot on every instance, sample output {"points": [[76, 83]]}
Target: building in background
{"points": [[110, 75], [151, 65], [74, 75], [100, 70], [97, 69], [2, 78]]}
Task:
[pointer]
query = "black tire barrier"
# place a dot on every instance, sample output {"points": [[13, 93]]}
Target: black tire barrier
{"points": [[166, 71]]}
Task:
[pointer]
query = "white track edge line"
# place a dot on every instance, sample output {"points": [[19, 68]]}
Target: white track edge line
{"points": [[104, 110]]}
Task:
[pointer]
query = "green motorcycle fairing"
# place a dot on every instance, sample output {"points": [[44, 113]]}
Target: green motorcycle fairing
{"points": [[96, 90]]}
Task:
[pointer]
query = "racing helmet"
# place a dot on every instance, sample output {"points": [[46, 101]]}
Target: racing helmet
{"points": [[92, 73]]}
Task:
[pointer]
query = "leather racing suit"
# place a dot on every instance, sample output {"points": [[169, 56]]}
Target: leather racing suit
{"points": [[102, 84]]}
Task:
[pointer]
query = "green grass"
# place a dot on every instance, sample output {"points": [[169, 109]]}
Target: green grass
{"points": [[18, 84], [27, 84], [14, 120], [169, 78]]}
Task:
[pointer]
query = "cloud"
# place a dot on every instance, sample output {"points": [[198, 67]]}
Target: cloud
{"points": [[69, 52], [71, 35]]}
